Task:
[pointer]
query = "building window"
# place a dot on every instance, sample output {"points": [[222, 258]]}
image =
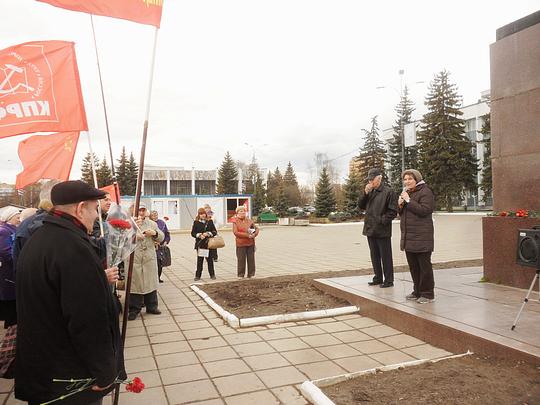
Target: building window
{"points": [[155, 187], [205, 187], [180, 187]]}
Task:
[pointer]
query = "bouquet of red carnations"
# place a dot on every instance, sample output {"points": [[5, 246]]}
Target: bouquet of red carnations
{"points": [[120, 235]]}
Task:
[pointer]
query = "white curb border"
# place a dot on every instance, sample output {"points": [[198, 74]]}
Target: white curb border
{"points": [[231, 319], [234, 322], [311, 391]]}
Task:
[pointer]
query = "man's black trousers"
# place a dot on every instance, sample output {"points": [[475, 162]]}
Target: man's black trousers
{"points": [[381, 259]]}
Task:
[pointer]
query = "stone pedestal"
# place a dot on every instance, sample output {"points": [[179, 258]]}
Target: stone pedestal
{"points": [[500, 251], [515, 144]]}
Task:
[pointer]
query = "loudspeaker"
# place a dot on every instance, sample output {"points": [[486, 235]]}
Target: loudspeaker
{"points": [[528, 247]]}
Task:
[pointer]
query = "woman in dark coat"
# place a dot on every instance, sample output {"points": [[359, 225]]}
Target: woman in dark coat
{"points": [[416, 205], [9, 220], [202, 230]]}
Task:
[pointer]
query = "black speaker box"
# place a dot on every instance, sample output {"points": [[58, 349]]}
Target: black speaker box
{"points": [[528, 247]]}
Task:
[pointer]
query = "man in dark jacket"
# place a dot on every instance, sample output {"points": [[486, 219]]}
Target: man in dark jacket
{"points": [[380, 205], [67, 319]]}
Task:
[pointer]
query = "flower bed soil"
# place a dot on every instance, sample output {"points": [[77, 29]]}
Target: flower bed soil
{"points": [[465, 380], [289, 294]]}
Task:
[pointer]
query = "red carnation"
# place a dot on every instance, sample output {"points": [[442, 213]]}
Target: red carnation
{"points": [[135, 386], [119, 223], [503, 214]]}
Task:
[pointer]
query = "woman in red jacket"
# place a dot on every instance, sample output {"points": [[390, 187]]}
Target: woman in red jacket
{"points": [[245, 231]]}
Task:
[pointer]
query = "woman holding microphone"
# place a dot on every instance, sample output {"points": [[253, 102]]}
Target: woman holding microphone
{"points": [[416, 205]]}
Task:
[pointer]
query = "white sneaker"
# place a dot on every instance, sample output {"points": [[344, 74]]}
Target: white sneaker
{"points": [[411, 297], [424, 300]]}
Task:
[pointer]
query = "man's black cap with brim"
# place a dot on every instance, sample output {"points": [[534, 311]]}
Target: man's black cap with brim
{"points": [[373, 173], [74, 191]]}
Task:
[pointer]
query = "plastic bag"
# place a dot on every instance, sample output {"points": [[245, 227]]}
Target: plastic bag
{"points": [[120, 235]]}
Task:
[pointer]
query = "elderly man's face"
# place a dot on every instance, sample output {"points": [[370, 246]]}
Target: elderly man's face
{"points": [[376, 182], [87, 213]]}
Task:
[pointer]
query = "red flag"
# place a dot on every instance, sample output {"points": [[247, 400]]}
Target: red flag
{"points": [[40, 89], [140, 11], [111, 191], [46, 157]]}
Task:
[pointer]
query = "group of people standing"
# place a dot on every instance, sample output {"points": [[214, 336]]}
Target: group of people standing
{"points": [[245, 232], [415, 206]]}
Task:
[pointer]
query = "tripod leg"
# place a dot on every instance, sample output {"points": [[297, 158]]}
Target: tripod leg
{"points": [[526, 299]]}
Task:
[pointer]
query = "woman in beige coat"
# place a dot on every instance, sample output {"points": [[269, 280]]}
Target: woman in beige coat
{"points": [[145, 270]]}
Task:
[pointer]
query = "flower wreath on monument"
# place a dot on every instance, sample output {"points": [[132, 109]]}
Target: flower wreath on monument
{"points": [[521, 213]]}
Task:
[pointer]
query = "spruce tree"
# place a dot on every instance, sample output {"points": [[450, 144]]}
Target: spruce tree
{"points": [[227, 182], [325, 201], [486, 184], [86, 169], [290, 186], [132, 174], [121, 172], [275, 181], [259, 196], [404, 116], [104, 174], [352, 189], [282, 203], [444, 152], [372, 153]]}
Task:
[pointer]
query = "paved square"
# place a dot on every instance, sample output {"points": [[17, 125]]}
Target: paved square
{"points": [[188, 354]]}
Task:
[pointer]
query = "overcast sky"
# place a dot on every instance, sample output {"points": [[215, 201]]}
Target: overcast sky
{"points": [[288, 77]]}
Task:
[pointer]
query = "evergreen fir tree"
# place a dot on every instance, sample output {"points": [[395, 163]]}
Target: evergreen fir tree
{"points": [[86, 169], [353, 190], [104, 174], [325, 201], [486, 184], [290, 185], [404, 116], [275, 181], [131, 174], [282, 203], [372, 154], [444, 152], [227, 182], [121, 172], [259, 196]]}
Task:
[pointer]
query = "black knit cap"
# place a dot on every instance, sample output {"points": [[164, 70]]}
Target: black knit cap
{"points": [[74, 191]]}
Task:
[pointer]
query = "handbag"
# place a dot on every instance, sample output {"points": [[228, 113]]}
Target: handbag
{"points": [[165, 253], [216, 242]]}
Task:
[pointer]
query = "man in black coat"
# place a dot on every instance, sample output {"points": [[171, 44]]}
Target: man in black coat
{"points": [[67, 319], [380, 204]]}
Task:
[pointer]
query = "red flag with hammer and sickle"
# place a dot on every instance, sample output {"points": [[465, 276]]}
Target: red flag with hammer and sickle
{"points": [[40, 89]]}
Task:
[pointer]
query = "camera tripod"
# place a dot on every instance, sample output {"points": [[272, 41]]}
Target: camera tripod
{"points": [[536, 277]]}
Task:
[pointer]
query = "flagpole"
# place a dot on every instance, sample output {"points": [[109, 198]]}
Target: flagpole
{"points": [[113, 172], [137, 202], [92, 163]]}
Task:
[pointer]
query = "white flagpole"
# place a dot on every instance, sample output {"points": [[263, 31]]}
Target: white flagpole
{"points": [[95, 181]]}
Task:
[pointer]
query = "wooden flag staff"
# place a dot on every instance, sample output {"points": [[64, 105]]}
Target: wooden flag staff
{"points": [[137, 204], [113, 171]]}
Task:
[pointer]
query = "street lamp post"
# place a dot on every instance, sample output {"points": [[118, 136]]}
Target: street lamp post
{"points": [[401, 123], [401, 126]]}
